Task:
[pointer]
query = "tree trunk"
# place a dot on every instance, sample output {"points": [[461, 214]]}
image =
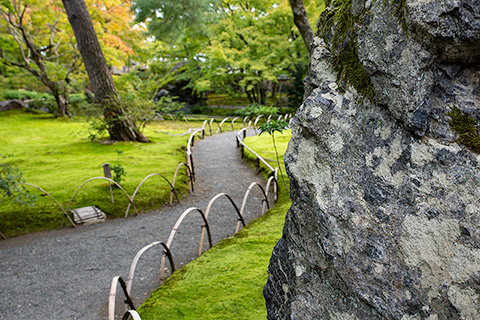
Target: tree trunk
{"points": [[259, 93], [119, 126], [249, 96], [60, 94], [274, 92], [62, 102], [254, 94], [263, 93], [301, 21]]}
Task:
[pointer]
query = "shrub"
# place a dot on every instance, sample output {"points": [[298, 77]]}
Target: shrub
{"points": [[10, 176], [168, 104], [118, 169], [256, 109], [43, 101]]}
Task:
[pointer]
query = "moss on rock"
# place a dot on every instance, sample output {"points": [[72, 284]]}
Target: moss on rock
{"points": [[337, 27], [466, 127]]}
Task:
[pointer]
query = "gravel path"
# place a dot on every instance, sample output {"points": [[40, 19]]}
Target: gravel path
{"points": [[66, 274]]}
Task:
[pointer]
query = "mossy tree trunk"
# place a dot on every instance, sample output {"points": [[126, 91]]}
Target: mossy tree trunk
{"points": [[120, 127]]}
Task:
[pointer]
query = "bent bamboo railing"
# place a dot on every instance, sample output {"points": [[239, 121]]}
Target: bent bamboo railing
{"points": [[167, 252], [127, 288], [245, 197], [172, 190], [65, 212], [174, 231], [101, 178], [271, 183], [189, 176], [131, 313], [133, 266], [221, 124], [210, 125], [207, 211], [233, 121], [245, 120], [190, 143], [130, 199], [112, 296], [256, 122], [273, 178], [243, 145]]}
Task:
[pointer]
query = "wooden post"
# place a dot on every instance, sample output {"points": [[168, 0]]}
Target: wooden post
{"points": [[108, 174]]}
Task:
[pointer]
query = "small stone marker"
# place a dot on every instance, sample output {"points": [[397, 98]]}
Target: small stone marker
{"points": [[107, 172], [88, 215]]}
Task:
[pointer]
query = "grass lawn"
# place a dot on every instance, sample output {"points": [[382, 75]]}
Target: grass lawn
{"points": [[57, 155], [227, 281]]}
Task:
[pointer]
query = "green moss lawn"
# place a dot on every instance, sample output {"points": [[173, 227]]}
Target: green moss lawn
{"points": [[57, 155]]}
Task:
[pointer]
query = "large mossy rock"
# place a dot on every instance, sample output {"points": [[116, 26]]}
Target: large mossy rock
{"points": [[385, 221]]}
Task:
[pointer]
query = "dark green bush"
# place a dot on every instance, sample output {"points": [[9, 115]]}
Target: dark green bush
{"points": [[256, 109], [20, 94]]}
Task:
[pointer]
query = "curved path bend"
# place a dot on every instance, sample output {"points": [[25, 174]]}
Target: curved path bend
{"points": [[66, 274]]}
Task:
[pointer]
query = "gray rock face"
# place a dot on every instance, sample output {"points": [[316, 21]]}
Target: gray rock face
{"points": [[385, 221], [450, 29]]}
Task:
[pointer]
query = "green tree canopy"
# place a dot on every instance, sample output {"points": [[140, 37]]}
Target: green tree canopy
{"points": [[229, 47], [171, 20], [36, 37]]}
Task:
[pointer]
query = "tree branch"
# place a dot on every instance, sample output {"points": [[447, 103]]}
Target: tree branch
{"points": [[301, 21], [242, 38], [26, 67]]}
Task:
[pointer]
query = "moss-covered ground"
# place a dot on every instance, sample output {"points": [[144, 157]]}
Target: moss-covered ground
{"points": [[57, 155], [227, 281]]}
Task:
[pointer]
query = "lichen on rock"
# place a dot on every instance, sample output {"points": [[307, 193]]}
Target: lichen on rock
{"points": [[385, 222]]}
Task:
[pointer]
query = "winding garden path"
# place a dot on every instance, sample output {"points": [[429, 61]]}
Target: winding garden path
{"points": [[66, 274]]}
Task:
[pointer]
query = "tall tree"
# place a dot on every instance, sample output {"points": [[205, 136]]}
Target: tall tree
{"points": [[40, 45], [120, 126], [170, 20], [246, 45], [113, 22], [254, 44], [301, 21]]}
